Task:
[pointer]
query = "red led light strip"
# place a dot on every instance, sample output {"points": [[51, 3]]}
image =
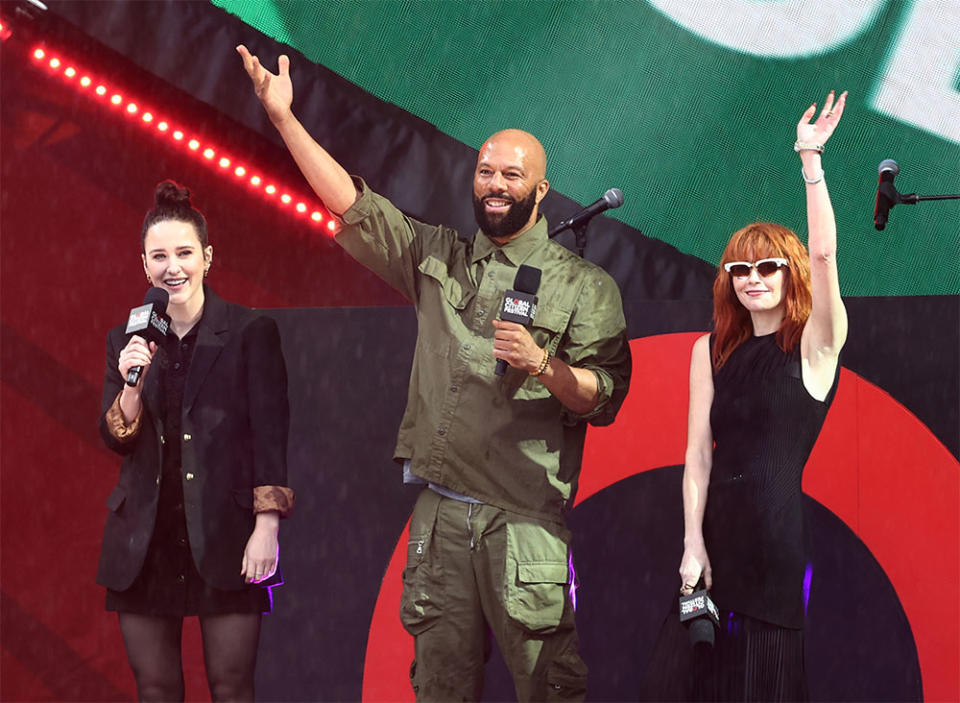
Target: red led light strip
{"points": [[160, 126]]}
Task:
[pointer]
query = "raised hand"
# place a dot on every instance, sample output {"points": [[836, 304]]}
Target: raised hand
{"points": [[819, 131], [275, 90]]}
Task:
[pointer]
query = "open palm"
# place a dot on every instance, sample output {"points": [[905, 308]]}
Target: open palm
{"points": [[819, 131], [275, 90]]}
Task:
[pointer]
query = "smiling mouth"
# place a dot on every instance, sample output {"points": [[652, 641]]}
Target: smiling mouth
{"points": [[497, 203], [174, 282]]}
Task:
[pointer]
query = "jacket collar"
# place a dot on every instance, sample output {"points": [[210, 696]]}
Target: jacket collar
{"points": [[517, 251], [211, 336], [212, 331]]}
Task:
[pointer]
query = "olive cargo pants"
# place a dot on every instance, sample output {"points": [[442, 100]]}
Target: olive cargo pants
{"points": [[474, 569]]}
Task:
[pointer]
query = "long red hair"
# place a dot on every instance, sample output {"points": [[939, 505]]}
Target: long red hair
{"points": [[732, 325]]}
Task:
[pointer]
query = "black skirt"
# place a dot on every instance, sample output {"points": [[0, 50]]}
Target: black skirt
{"points": [[751, 660], [754, 660], [169, 584]]}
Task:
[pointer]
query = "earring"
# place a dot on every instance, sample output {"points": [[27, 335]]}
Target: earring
{"points": [[206, 270], [149, 280]]}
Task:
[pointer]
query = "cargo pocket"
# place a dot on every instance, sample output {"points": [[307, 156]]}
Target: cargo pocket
{"points": [[536, 575], [419, 607], [549, 323]]}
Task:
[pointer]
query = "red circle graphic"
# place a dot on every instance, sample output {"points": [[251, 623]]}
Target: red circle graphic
{"points": [[875, 466]]}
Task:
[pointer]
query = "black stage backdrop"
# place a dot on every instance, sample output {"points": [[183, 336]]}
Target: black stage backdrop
{"points": [[75, 185]]}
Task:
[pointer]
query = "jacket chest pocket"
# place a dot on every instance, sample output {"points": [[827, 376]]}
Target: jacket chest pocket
{"points": [[548, 326], [444, 298], [436, 273]]}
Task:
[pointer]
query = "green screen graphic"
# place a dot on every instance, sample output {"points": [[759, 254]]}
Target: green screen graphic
{"points": [[688, 107]]}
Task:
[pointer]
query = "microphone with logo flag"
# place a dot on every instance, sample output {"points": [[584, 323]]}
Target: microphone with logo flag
{"points": [[701, 616], [149, 321], [520, 303]]}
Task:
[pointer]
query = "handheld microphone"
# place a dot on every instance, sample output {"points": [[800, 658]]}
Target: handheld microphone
{"points": [[887, 195], [520, 303], [151, 322], [701, 616], [613, 198]]}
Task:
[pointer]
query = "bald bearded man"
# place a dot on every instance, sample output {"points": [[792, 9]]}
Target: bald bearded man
{"points": [[499, 457]]}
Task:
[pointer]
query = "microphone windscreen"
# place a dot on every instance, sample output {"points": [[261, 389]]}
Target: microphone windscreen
{"points": [[701, 631], [888, 165], [527, 280], [614, 197], [159, 297]]}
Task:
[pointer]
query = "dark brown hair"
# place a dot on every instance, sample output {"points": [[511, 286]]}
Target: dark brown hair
{"points": [[172, 202]]}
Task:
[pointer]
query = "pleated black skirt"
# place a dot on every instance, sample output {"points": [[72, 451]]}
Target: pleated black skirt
{"points": [[755, 660], [751, 660]]}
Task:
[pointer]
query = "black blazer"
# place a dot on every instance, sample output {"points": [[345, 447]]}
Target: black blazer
{"points": [[235, 423]]}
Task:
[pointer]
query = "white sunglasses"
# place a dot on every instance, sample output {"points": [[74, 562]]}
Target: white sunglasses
{"points": [[765, 267]]}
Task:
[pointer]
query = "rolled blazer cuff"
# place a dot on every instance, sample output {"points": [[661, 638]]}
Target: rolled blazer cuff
{"points": [[279, 498], [117, 426]]}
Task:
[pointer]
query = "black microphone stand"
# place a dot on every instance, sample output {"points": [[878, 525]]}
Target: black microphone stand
{"points": [[913, 198], [579, 234], [889, 192], [580, 237]]}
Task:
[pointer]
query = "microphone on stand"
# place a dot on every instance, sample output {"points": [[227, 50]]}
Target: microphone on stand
{"points": [[520, 303], [151, 322], [613, 198], [887, 195]]}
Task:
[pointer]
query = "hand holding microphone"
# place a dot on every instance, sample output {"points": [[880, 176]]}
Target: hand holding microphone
{"points": [[136, 355], [148, 325], [512, 343], [699, 613]]}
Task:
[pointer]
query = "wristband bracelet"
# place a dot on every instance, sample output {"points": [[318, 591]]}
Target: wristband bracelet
{"points": [[799, 146], [543, 364], [811, 181]]}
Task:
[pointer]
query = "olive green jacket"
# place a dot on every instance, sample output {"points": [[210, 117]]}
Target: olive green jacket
{"points": [[506, 441]]}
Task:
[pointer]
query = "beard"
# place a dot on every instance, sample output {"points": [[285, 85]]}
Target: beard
{"points": [[499, 226]]}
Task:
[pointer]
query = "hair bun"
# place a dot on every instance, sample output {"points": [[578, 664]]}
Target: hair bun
{"points": [[170, 194]]}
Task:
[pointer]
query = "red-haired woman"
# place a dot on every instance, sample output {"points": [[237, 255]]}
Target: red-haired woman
{"points": [[760, 388]]}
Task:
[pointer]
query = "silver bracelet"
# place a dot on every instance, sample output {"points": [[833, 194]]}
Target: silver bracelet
{"points": [[799, 146], [811, 181]]}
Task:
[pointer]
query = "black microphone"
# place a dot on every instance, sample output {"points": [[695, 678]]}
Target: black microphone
{"points": [[611, 199], [520, 303], [701, 616], [151, 322], [887, 195]]}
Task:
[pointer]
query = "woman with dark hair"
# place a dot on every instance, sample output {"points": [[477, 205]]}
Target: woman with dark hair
{"points": [[193, 521], [760, 388]]}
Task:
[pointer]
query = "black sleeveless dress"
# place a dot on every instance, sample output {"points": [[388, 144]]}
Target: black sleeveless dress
{"points": [[764, 425]]}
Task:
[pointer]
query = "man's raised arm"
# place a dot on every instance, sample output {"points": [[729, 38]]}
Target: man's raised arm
{"points": [[329, 180]]}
